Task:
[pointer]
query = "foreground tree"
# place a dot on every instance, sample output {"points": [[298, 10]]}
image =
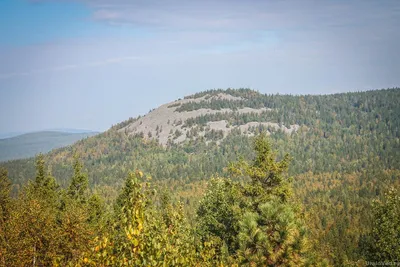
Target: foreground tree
{"points": [[384, 239], [79, 217], [47, 226], [79, 182], [266, 174], [44, 185], [33, 230], [255, 219], [273, 237], [219, 213], [141, 234]]}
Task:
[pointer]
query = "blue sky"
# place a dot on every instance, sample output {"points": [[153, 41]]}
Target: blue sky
{"points": [[89, 64]]}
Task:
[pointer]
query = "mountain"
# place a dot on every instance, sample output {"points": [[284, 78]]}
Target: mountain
{"points": [[345, 151], [203, 116], [30, 144], [9, 134], [4, 135], [70, 130]]}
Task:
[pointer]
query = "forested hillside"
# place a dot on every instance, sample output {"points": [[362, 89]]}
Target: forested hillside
{"points": [[344, 153]]}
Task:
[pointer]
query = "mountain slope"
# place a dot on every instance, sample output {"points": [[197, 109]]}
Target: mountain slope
{"points": [[30, 144], [172, 123], [324, 133]]}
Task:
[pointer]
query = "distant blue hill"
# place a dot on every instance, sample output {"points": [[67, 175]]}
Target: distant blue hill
{"points": [[29, 144], [4, 135], [69, 130], [10, 134]]}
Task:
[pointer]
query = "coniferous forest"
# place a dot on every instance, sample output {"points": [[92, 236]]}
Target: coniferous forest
{"points": [[326, 194]]}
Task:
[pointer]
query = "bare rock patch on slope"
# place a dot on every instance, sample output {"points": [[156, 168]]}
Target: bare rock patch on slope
{"points": [[166, 124]]}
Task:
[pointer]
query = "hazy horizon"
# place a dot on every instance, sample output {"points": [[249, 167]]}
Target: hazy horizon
{"points": [[89, 64]]}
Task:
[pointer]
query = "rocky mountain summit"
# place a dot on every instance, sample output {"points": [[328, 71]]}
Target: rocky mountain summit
{"points": [[211, 115]]}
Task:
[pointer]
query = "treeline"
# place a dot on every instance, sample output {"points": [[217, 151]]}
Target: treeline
{"points": [[241, 92]]}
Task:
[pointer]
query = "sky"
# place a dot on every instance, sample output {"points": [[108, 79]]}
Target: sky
{"points": [[89, 64]]}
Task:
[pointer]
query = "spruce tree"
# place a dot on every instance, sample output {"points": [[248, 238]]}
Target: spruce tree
{"points": [[265, 172], [78, 216], [79, 182], [44, 184], [40, 178]]}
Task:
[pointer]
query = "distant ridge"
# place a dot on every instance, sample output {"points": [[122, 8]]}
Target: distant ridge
{"points": [[5, 135], [69, 130], [29, 144], [10, 134]]}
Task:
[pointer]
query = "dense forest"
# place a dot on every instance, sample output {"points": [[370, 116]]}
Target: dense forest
{"points": [[218, 199]]}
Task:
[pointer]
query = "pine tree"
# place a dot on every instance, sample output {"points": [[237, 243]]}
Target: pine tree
{"points": [[273, 237], [256, 218]]}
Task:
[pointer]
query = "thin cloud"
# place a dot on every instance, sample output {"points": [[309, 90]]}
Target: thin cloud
{"points": [[344, 23], [228, 15], [366, 27], [329, 33], [99, 63]]}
